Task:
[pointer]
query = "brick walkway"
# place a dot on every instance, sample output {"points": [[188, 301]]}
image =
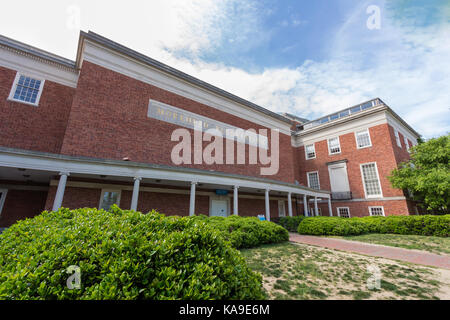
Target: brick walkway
{"points": [[413, 256]]}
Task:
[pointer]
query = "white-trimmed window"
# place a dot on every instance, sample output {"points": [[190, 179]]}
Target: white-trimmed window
{"points": [[397, 138], [363, 139], [376, 211], [26, 89], [313, 180], [406, 142], [334, 146], [3, 193], [371, 180], [343, 212], [108, 198], [310, 151]]}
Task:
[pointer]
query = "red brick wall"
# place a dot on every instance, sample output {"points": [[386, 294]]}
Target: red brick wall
{"points": [[75, 197], [109, 120], [167, 203], [21, 204], [381, 152], [401, 154], [39, 128]]}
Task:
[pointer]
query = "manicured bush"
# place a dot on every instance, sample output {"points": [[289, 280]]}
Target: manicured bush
{"points": [[121, 255], [425, 225], [290, 223], [332, 226], [246, 232]]}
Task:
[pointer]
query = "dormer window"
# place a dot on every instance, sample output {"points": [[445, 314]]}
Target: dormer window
{"points": [[26, 89]]}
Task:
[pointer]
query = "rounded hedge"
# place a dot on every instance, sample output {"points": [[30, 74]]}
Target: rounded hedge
{"points": [[246, 232], [121, 255], [291, 223], [426, 225]]}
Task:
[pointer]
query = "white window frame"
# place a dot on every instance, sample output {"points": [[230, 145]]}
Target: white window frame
{"points": [[364, 184], [318, 179], [109, 190], [348, 209], [2, 200], [405, 139], [375, 207], [329, 149], [397, 138], [306, 153], [356, 138], [14, 87]]}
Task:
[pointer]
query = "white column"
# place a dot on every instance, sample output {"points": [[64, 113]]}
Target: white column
{"points": [[330, 210], [235, 200], [267, 205], [305, 205], [60, 191], [316, 209], [134, 199], [290, 204], [192, 200]]}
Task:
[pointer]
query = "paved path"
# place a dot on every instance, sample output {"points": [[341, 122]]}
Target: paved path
{"points": [[413, 256]]}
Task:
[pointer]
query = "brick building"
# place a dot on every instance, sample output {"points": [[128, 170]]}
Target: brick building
{"points": [[99, 130]]}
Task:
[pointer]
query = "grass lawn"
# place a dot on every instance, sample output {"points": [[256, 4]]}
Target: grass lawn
{"points": [[436, 245], [298, 271]]}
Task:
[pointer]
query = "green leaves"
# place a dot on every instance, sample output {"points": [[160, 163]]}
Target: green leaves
{"points": [[427, 174], [245, 232], [122, 255], [426, 225], [291, 223]]}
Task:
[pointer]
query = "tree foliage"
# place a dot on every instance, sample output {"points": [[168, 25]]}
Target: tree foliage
{"points": [[427, 174]]}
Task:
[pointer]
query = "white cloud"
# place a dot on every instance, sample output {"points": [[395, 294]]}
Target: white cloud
{"points": [[407, 67]]}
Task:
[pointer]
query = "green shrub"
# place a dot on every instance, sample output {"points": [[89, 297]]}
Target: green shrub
{"points": [[426, 225], [332, 226], [290, 223], [122, 255], [246, 232]]}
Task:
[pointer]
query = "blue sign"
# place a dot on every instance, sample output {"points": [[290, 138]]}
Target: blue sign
{"points": [[221, 192]]}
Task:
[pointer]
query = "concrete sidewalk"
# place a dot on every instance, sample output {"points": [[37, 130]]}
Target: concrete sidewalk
{"points": [[413, 256]]}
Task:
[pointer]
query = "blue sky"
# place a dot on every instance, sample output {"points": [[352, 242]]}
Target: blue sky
{"points": [[309, 58]]}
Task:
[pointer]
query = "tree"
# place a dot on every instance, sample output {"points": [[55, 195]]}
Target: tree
{"points": [[427, 174]]}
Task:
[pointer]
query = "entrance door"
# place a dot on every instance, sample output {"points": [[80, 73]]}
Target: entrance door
{"points": [[219, 208], [339, 178], [281, 208]]}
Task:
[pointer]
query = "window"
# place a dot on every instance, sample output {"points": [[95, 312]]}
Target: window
{"points": [[26, 89], [343, 212], [397, 138], [2, 199], [314, 213], [371, 180], [108, 198], [406, 142], [313, 180], [310, 150], [281, 208], [363, 139], [376, 211], [334, 146]]}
